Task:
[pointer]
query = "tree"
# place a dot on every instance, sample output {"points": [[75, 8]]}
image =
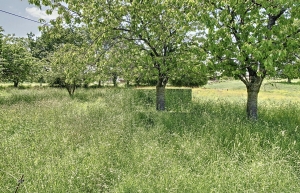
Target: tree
{"points": [[51, 39], [69, 63], [250, 38], [1, 36], [18, 65], [156, 27], [1, 40], [290, 70]]}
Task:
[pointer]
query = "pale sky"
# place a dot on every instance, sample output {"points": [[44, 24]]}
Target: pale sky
{"points": [[20, 26]]}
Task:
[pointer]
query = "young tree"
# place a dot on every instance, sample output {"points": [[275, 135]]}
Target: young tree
{"points": [[69, 63], [290, 70], [250, 38], [51, 39], [18, 65], [156, 27]]}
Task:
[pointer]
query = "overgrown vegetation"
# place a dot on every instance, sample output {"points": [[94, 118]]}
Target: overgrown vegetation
{"points": [[107, 140]]}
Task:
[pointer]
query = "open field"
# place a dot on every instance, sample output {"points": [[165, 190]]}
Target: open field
{"points": [[271, 91], [108, 140]]}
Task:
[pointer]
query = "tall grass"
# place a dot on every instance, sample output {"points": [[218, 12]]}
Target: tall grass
{"points": [[107, 140]]}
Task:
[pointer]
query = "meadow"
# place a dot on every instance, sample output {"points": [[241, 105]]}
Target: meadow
{"points": [[113, 140]]}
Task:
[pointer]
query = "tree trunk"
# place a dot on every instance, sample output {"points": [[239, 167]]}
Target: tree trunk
{"points": [[160, 98], [160, 92], [253, 84], [71, 89], [252, 91], [289, 80], [99, 84], [114, 79], [16, 84]]}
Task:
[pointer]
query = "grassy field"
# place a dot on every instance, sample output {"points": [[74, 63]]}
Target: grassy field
{"points": [[108, 140], [274, 91]]}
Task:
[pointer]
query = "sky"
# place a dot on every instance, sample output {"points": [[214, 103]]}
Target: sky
{"points": [[20, 26]]}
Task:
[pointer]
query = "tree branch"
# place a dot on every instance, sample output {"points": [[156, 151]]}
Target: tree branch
{"points": [[273, 18], [255, 3], [243, 78]]}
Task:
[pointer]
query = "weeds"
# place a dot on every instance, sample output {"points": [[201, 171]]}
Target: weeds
{"points": [[108, 140]]}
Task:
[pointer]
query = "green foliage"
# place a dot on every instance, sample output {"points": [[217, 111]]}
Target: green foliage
{"points": [[17, 62], [290, 71], [250, 40], [251, 34], [134, 39], [195, 76], [1, 40], [51, 39], [70, 64]]}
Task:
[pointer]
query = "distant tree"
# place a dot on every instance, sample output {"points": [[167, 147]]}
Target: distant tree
{"points": [[69, 63], [250, 39], [51, 39], [18, 65], [290, 70], [195, 76]]}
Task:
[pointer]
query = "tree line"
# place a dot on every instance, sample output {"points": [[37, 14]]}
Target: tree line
{"points": [[161, 42]]}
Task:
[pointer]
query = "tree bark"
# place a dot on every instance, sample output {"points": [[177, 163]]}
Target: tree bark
{"points": [[252, 90], [160, 92], [114, 79], [253, 84], [289, 80], [16, 84], [160, 98], [99, 84], [71, 88]]}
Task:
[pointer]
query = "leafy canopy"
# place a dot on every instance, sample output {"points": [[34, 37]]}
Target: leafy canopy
{"points": [[157, 28], [18, 65], [69, 63], [253, 34]]}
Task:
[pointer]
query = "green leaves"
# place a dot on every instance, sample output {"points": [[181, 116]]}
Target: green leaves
{"points": [[18, 64], [70, 64], [253, 32], [156, 28]]}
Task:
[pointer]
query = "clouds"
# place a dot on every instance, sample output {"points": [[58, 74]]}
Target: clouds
{"points": [[37, 13]]}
